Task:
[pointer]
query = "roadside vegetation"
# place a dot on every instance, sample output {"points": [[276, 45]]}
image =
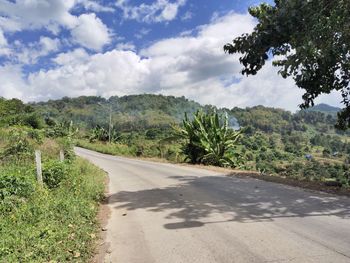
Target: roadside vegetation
{"points": [[304, 145], [53, 222]]}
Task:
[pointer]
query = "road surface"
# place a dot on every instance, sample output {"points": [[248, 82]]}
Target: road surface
{"points": [[170, 213]]}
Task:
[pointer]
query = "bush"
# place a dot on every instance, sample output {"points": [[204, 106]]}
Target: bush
{"points": [[54, 172], [16, 186], [16, 182], [18, 146], [68, 148], [33, 120], [36, 135]]}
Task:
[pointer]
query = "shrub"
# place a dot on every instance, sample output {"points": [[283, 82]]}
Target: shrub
{"points": [[16, 186], [54, 172], [18, 146], [16, 182], [68, 148], [36, 135], [33, 120]]}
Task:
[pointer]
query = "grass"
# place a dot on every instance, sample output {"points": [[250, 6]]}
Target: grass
{"points": [[114, 148], [53, 225]]}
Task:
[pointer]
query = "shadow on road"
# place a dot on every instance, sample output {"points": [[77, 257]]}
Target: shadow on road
{"points": [[193, 200]]}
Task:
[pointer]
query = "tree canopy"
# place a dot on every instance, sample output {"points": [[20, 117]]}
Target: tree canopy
{"points": [[310, 41]]}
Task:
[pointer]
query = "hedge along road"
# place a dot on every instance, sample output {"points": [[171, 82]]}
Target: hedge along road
{"points": [[170, 213]]}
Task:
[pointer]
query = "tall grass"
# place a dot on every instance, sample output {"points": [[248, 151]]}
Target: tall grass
{"points": [[114, 149]]}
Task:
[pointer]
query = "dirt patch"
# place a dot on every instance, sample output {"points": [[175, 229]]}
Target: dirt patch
{"points": [[103, 216]]}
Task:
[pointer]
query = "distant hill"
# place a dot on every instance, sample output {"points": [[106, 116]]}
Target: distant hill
{"points": [[128, 112], [139, 112], [325, 108]]}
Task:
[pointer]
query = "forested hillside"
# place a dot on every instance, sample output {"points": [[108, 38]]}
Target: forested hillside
{"points": [[139, 112], [129, 113]]}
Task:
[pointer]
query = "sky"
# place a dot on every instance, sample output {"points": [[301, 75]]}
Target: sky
{"points": [[55, 48]]}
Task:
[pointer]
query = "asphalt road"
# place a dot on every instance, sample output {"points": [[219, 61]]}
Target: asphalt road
{"points": [[170, 213]]}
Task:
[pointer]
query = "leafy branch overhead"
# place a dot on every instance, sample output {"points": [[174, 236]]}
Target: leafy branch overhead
{"points": [[310, 41]]}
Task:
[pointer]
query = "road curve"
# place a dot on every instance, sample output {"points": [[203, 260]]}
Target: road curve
{"points": [[170, 213]]}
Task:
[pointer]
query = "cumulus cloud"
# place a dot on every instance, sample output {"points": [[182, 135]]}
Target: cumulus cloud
{"points": [[90, 32], [12, 83], [112, 73], [23, 14], [87, 29], [159, 11], [75, 57], [29, 53], [192, 65]]}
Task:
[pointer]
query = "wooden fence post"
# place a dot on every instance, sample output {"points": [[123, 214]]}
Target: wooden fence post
{"points": [[61, 155], [39, 174]]}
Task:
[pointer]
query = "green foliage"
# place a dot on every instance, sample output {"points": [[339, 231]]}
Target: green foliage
{"points": [[274, 139], [18, 146], [15, 112], [311, 42], [54, 172], [129, 113], [209, 140], [62, 129], [17, 184], [99, 133], [113, 148], [33, 120], [51, 225]]}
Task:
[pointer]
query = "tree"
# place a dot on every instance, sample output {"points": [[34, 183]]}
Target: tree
{"points": [[310, 41]]}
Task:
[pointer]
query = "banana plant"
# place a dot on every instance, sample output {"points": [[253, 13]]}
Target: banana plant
{"points": [[208, 139], [101, 134]]}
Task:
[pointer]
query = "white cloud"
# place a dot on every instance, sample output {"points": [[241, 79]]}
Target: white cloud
{"points": [[126, 46], [112, 73], [48, 44], [142, 32], [12, 84], [3, 41], [4, 49], [87, 29], [95, 6], [34, 14], [29, 53], [192, 65], [90, 32], [159, 11], [75, 57], [187, 16]]}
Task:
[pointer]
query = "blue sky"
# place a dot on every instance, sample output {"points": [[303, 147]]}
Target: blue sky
{"points": [[55, 48]]}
